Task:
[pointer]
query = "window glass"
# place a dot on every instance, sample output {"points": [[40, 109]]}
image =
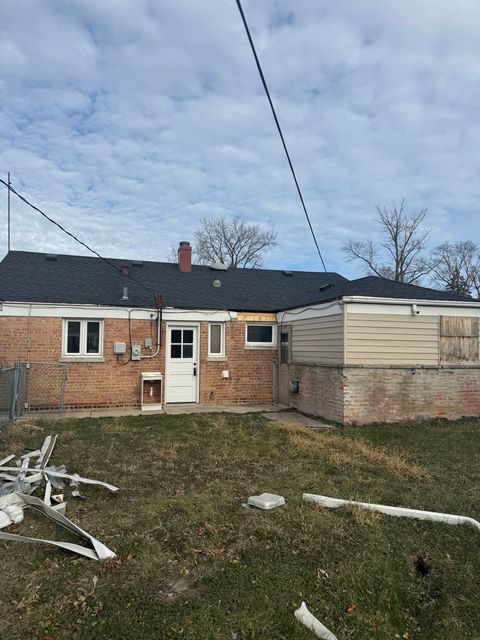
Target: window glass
{"points": [[188, 336], [215, 339], [188, 350], [73, 337], [176, 351], [176, 336], [260, 333], [93, 337]]}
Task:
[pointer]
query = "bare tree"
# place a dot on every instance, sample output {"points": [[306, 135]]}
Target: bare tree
{"points": [[400, 255], [231, 241], [172, 255], [456, 266]]}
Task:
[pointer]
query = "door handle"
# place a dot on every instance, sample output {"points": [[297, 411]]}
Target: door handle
{"points": [[194, 369]]}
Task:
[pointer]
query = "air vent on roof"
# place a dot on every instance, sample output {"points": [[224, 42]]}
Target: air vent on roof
{"points": [[219, 266], [217, 283], [324, 287], [289, 274], [137, 263], [52, 257]]}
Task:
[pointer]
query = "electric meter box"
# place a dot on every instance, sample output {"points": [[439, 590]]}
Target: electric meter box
{"points": [[151, 391], [136, 352]]}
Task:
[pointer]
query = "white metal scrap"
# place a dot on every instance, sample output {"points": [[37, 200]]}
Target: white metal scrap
{"points": [[18, 482]]}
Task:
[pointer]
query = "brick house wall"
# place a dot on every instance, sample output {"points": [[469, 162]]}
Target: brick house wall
{"points": [[110, 384], [356, 395], [320, 391], [251, 370], [409, 394]]}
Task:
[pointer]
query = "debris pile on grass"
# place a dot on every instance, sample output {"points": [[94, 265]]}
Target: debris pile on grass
{"points": [[18, 481]]}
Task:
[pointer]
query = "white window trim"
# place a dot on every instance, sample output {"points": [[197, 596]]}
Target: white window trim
{"points": [[83, 339], [260, 345], [222, 340]]}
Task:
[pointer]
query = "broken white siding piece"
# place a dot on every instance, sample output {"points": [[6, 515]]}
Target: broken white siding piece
{"points": [[7, 459], [98, 551], [448, 518], [49, 473], [11, 509], [46, 451], [48, 493], [31, 454], [75, 478], [312, 623], [13, 514]]}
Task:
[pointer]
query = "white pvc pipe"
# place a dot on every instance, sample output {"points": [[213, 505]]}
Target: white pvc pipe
{"points": [[402, 512], [311, 622]]}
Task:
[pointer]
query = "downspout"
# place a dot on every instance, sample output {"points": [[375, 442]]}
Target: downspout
{"points": [[448, 518]]}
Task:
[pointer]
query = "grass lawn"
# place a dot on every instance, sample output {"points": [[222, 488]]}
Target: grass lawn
{"points": [[192, 563]]}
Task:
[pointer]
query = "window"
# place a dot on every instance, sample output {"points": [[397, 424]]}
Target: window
{"points": [[181, 343], [216, 339], [260, 335], [82, 338]]}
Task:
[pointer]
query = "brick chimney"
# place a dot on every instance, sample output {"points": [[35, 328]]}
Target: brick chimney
{"points": [[184, 257]]}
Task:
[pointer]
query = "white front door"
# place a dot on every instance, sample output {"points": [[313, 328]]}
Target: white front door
{"points": [[182, 364]]}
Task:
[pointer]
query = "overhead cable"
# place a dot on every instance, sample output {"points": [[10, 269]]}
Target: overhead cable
{"points": [[264, 82]]}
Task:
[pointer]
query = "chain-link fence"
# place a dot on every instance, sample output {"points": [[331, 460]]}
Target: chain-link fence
{"points": [[32, 386], [7, 375]]}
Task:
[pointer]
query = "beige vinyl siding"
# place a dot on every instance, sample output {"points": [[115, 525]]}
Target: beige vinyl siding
{"points": [[318, 340], [391, 339]]}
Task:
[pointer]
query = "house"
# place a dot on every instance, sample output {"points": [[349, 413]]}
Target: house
{"points": [[150, 333]]}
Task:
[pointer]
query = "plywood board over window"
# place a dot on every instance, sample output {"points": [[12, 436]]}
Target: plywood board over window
{"points": [[459, 340]]}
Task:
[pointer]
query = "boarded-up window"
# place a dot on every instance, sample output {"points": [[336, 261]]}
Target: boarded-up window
{"points": [[458, 340]]}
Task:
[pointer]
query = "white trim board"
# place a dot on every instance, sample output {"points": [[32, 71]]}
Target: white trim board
{"points": [[37, 310], [312, 311]]}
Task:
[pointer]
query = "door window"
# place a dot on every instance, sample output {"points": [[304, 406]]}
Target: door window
{"points": [[181, 343]]}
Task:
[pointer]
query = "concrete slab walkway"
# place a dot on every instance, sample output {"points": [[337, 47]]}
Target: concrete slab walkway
{"points": [[169, 409], [293, 417]]}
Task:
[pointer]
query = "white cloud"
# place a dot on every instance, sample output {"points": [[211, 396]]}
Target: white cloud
{"points": [[130, 120]]}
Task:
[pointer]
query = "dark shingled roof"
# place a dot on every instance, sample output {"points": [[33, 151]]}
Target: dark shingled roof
{"points": [[31, 277]]}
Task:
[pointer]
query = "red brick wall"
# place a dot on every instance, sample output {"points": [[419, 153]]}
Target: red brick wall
{"points": [[251, 371], [97, 384]]}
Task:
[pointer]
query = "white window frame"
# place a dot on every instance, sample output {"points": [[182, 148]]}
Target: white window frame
{"points": [[83, 338], [259, 345], [222, 340]]}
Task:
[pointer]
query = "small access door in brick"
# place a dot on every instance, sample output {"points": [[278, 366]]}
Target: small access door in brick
{"points": [[182, 364]]}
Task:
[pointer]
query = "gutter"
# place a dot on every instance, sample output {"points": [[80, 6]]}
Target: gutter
{"points": [[410, 301]]}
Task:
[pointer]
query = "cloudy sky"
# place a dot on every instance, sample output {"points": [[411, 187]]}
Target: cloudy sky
{"points": [[129, 120]]}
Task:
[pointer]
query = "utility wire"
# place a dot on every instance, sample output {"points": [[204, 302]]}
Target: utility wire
{"points": [[57, 224], [264, 82]]}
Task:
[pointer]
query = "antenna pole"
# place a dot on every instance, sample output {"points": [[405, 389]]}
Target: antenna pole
{"points": [[8, 212]]}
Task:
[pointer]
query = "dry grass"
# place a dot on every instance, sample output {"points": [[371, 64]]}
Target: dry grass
{"points": [[191, 563], [351, 451]]}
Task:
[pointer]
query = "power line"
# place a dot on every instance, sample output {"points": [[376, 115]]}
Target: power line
{"points": [[84, 244], [262, 77]]}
